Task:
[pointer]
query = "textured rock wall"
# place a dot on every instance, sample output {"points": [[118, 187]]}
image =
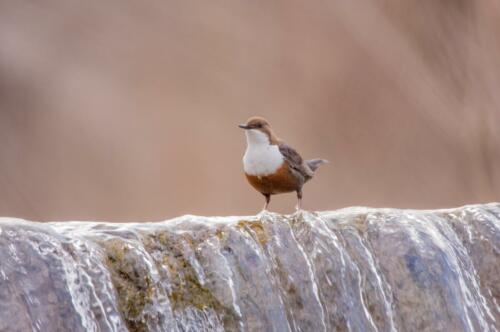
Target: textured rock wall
{"points": [[356, 269]]}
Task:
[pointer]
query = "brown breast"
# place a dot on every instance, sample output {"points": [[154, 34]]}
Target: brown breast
{"points": [[281, 181]]}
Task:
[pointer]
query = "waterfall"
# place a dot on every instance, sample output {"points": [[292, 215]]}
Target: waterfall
{"points": [[356, 269]]}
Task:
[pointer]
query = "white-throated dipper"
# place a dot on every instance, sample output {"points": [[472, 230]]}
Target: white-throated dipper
{"points": [[271, 166]]}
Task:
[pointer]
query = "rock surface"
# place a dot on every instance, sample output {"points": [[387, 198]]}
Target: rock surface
{"points": [[356, 269]]}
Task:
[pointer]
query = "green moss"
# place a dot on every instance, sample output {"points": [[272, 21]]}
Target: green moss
{"points": [[255, 229], [186, 289], [220, 234], [134, 292], [135, 289]]}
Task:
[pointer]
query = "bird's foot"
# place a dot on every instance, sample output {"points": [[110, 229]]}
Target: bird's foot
{"points": [[298, 212], [298, 207], [264, 211]]}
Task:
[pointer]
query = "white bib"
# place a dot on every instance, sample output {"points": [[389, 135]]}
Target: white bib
{"points": [[261, 158]]}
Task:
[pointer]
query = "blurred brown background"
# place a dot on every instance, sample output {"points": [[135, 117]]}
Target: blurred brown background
{"points": [[127, 110]]}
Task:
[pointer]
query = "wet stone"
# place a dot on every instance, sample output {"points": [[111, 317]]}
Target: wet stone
{"points": [[355, 269]]}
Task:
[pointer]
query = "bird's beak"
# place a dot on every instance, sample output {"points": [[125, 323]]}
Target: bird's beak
{"points": [[243, 126]]}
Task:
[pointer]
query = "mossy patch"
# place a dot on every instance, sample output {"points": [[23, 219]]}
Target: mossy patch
{"points": [[186, 290], [220, 234], [255, 229], [134, 290]]}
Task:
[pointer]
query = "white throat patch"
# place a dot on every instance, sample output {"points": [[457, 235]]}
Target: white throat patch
{"points": [[261, 158]]}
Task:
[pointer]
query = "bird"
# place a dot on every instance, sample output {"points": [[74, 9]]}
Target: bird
{"points": [[273, 167]]}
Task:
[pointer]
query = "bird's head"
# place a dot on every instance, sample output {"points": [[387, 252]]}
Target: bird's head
{"points": [[258, 130], [255, 122]]}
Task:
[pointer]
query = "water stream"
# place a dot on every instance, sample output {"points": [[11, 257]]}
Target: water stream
{"points": [[356, 269]]}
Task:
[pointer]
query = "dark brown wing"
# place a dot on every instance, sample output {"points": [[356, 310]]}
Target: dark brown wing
{"points": [[292, 156], [294, 159]]}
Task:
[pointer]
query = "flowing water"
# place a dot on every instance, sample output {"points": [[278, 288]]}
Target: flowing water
{"points": [[356, 269]]}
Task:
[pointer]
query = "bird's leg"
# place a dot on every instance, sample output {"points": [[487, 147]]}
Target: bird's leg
{"points": [[299, 200], [268, 199]]}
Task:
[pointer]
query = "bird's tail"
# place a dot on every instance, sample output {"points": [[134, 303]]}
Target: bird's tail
{"points": [[315, 163]]}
